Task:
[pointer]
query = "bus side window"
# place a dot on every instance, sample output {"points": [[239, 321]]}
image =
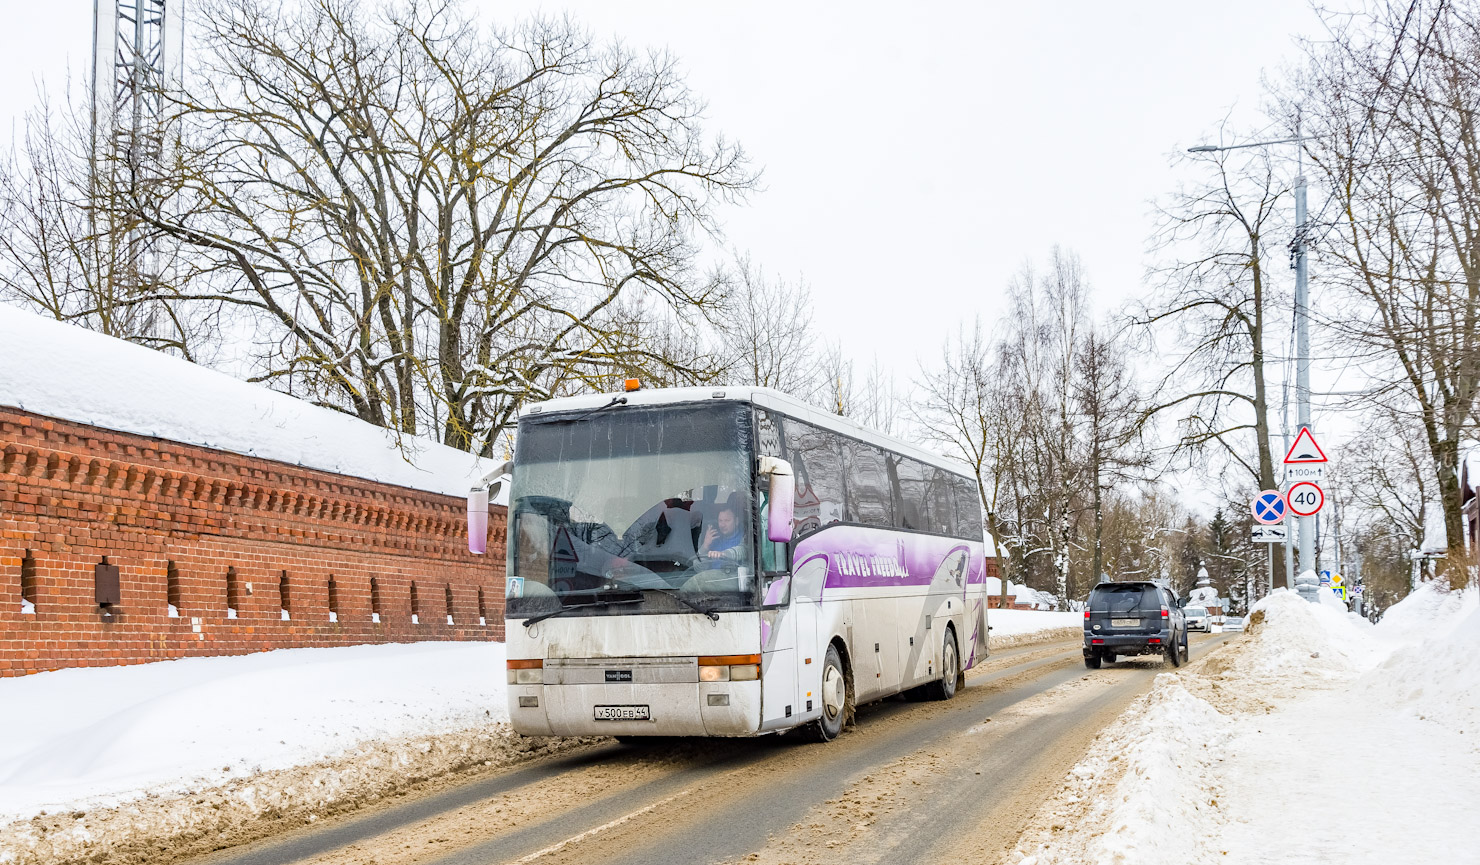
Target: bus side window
{"points": [[909, 514], [774, 557], [969, 523]]}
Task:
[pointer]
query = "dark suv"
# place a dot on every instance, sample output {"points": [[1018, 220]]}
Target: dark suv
{"points": [[1133, 619]]}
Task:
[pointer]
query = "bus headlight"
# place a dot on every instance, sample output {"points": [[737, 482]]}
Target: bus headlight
{"points": [[729, 668], [526, 672]]}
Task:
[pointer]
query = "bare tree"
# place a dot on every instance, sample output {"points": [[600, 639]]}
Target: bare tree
{"points": [[1394, 99], [1021, 411], [1386, 475], [767, 335], [1049, 321], [1106, 397], [61, 251], [962, 405], [429, 224], [1218, 299]]}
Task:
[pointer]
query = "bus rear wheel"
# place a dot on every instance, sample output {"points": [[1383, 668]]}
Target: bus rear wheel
{"points": [[950, 669], [834, 698]]}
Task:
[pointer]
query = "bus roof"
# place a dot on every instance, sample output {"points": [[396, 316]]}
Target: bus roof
{"points": [[764, 397]]}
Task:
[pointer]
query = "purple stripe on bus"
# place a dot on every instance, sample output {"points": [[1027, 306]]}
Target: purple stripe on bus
{"points": [[860, 557]]}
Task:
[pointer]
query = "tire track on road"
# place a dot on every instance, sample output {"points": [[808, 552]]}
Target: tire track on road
{"points": [[672, 801]]}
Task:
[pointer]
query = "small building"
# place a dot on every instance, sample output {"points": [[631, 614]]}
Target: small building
{"points": [[1020, 597]]}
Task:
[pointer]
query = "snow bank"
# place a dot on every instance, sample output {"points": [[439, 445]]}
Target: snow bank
{"points": [[1132, 794], [1310, 710], [1428, 611], [1437, 678], [62, 371], [1296, 636], [1013, 623], [98, 736]]}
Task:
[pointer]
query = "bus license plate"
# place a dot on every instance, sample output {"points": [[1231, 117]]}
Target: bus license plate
{"points": [[622, 713], [1125, 623]]}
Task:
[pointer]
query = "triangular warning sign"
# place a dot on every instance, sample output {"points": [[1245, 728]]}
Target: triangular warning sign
{"points": [[563, 550], [1305, 449]]}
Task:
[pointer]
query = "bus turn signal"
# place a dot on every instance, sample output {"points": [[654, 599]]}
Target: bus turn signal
{"points": [[526, 672], [729, 668]]}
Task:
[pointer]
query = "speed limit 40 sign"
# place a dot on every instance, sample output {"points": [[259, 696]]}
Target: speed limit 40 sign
{"points": [[1305, 499]]}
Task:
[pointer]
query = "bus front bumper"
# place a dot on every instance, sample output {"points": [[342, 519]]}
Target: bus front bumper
{"points": [[672, 709]]}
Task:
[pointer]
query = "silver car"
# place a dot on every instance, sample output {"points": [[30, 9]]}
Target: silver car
{"points": [[1233, 623], [1198, 619]]}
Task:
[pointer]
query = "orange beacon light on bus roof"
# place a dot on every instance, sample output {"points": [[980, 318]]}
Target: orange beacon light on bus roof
{"points": [[632, 384]]}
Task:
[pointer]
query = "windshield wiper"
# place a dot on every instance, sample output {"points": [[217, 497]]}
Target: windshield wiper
{"points": [[677, 596], [616, 400], [553, 613]]}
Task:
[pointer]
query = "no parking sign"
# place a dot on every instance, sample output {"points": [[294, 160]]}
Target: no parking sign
{"points": [[1268, 507]]}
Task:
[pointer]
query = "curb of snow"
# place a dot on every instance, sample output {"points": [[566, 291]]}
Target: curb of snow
{"points": [[1151, 785], [1127, 800], [162, 828], [1033, 638]]}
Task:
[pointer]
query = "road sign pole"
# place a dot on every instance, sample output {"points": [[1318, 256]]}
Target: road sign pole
{"points": [[1302, 356], [1270, 583], [1289, 552]]}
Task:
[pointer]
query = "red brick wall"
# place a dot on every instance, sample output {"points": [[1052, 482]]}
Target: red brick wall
{"points": [[72, 494]]}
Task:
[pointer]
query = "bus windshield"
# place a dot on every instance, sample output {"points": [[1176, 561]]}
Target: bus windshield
{"points": [[640, 509]]}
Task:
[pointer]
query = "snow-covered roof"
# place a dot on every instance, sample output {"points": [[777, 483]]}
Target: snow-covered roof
{"points": [[1435, 536], [66, 372], [1016, 590], [1470, 469]]}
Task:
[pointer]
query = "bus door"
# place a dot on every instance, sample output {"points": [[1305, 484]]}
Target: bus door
{"points": [[779, 707], [806, 606]]}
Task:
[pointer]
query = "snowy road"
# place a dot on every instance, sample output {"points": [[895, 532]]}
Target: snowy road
{"points": [[896, 783]]}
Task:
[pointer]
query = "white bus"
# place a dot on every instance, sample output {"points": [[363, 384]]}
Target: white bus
{"points": [[729, 562]]}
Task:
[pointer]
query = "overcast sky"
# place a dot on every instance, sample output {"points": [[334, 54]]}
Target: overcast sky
{"points": [[912, 159]]}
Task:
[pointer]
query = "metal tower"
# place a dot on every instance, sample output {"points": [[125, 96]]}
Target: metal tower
{"points": [[138, 58]]}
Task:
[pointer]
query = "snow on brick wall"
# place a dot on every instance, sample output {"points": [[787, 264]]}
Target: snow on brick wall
{"points": [[59, 370], [176, 519]]}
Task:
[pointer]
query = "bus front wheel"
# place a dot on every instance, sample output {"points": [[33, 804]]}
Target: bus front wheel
{"points": [[834, 698], [950, 669]]}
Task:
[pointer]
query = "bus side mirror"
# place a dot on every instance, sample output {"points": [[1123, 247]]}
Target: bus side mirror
{"points": [[782, 498], [478, 521], [478, 499]]}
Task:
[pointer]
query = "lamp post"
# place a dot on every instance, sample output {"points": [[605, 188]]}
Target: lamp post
{"points": [[1302, 329]]}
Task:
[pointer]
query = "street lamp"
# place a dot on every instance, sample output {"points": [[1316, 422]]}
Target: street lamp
{"points": [[1214, 148], [1302, 329]]}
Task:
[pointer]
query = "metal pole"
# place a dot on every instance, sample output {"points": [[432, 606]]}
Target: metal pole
{"points": [[1302, 359], [1270, 586]]}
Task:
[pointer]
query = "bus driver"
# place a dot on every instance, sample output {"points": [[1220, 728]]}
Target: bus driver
{"points": [[722, 539]]}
